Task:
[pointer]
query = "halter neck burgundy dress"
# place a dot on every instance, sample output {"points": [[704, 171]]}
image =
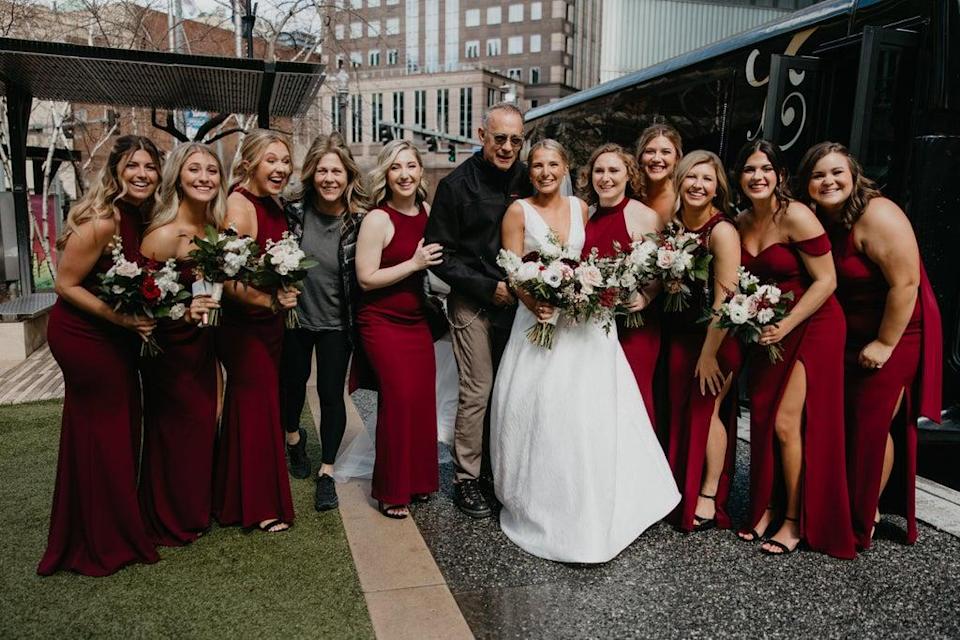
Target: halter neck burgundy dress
{"points": [[179, 428], [915, 368], [250, 472], [691, 411], [398, 346], [95, 523], [641, 345], [817, 344]]}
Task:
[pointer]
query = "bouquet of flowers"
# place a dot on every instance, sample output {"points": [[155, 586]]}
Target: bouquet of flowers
{"points": [[681, 259], [747, 311], [222, 256], [283, 265], [544, 275], [594, 291], [153, 291], [632, 271]]}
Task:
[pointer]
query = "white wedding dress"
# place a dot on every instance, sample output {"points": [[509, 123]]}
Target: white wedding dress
{"points": [[576, 463]]}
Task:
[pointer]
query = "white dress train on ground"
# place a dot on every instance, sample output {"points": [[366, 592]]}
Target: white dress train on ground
{"points": [[576, 463]]}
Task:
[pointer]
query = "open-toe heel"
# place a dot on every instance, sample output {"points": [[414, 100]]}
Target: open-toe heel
{"points": [[783, 549], [385, 510], [704, 524]]}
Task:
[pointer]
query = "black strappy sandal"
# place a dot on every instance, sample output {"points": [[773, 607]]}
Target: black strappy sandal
{"points": [[756, 535], [267, 527], [704, 524], [385, 510], [784, 549]]}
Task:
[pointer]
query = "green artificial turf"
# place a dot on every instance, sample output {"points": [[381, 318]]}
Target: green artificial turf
{"points": [[228, 584]]}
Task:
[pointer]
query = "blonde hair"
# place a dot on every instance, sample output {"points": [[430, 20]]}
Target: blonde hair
{"points": [[379, 190], [100, 201], [252, 150], [585, 181], [721, 200], [552, 145], [355, 194], [171, 191]]}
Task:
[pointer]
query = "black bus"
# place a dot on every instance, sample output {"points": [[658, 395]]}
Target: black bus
{"points": [[881, 76]]}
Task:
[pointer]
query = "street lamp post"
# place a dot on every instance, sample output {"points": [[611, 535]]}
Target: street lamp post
{"points": [[342, 80]]}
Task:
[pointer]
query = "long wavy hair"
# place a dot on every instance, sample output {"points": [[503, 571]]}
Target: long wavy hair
{"points": [[171, 191], [781, 191], [354, 197], [864, 189], [585, 180], [379, 190], [100, 200], [646, 136], [252, 150], [722, 198]]}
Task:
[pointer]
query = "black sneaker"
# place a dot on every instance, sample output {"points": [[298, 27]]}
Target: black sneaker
{"points": [[325, 497], [297, 461], [469, 499]]}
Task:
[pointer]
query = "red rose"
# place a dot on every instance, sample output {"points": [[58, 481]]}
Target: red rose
{"points": [[149, 289], [609, 298]]}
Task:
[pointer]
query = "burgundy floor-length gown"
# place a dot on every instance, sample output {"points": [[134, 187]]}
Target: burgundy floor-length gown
{"points": [[641, 345], [691, 411], [915, 368], [250, 473], [817, 344], [397, 344], [179, 428], [95, 523]]}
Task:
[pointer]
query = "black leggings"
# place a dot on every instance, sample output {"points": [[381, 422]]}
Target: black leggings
{"points": [[333, 355]]}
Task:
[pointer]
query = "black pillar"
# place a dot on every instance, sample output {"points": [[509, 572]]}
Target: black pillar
{"points": [[266, 94], [18, 116]]}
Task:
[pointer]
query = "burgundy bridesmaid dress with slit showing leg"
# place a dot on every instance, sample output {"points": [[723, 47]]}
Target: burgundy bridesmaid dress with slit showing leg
{"points": [[915, 370], [250, 472], [398, 346], [817, 345], [641, 345], [691, 411], [95, 523], [179, 428]]}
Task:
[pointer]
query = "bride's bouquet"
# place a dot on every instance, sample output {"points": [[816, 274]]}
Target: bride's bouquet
{"points": [[594, 291], [283, 265], [222, 256], [747, 311], [545, 275], [632, 271], [681, 259], [152, 290]]}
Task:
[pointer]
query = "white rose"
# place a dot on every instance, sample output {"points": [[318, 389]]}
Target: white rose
{"points": [[528, 271], [666, 258], [628, 281], [589, 277], [770, 292], [764, 316], [177, 311], [128, 269], [683, 263]]}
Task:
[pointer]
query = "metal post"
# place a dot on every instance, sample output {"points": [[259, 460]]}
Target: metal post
{"points": [[266, 94], [342, 111], [18, 118]]}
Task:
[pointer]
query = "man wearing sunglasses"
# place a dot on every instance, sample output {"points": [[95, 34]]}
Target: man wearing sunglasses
{"points": [[465, 219]]}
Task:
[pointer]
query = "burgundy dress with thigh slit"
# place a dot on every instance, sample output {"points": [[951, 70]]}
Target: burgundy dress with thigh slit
{"points": [[691, 411], [95, 523], [641, 345], [817, 344], [250, 472], [179, 428], [915, 369], [398, 346]]}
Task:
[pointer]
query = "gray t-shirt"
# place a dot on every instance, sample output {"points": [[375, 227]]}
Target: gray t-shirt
{"points": [[320, 303]]}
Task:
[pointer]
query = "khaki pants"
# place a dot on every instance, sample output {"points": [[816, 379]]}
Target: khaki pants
{"points": [[476, 347]]}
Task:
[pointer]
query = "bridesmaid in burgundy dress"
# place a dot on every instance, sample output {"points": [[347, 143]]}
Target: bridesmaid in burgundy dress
{"points": [[251, 487], [797, 470], [394, 335], [180, 384], [608, 183], [704, 361], [95, 523], [658, 152], [894, 359]]}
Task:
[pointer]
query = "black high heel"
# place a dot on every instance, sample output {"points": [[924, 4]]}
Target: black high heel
{"points": [[784, 550], [704, 524]]}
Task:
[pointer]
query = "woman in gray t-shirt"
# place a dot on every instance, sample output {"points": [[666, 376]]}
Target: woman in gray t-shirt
{"points": [[325, 219]]}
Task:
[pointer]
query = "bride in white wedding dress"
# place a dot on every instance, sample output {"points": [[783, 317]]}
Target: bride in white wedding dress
{"points": [[576, 463]]}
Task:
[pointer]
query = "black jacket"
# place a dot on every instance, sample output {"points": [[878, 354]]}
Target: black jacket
{"points": [[465, 218]]}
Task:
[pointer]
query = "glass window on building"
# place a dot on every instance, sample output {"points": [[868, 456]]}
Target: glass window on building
{"points": [[471, 49], [534, 75], [472, 18], [356, 59], [515, 13], [376, 115], [536, 10], [466, 110], [491, 96], [515, 45], [493, 47], [373, 29], [356, 124], [356, 4], [373, 3], [420, 108], [356, 29], [443, 110], [373, 58], [398, 107], [569, 45], [393, 26], [493, 15], [390, 3], [535, 43], [515, 74], [392, 56], [339, 30]]}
